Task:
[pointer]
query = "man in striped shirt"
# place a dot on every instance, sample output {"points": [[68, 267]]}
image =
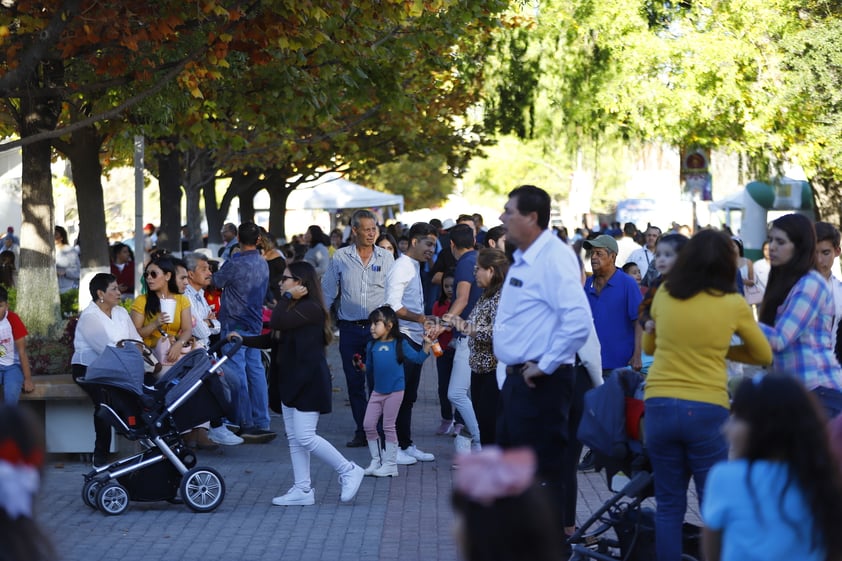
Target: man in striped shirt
{"points": [[356, 280]]}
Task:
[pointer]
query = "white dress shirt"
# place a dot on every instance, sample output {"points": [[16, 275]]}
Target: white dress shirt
{"points": [[544, 314], [404, 290], [200, 309], [642, 257]]}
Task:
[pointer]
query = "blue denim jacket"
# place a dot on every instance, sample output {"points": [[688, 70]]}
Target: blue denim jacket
{"points": [[243, 279]]}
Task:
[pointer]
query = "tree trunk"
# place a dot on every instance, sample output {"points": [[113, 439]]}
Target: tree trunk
{"points": [[278, 211], [83, 153], [247, 203], [37, 297], [197, 167], [213, 214], [241, 182], [169, 183]]}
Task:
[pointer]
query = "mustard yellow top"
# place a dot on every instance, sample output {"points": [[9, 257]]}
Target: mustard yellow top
{"points": [[692, 339], [181, 302]]}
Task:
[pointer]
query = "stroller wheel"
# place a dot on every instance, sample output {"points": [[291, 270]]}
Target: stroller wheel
{"points": [[89, 492], [202, 489], [112, 498]]}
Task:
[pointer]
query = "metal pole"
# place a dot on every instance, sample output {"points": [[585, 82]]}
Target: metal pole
{"points": [[139, 249]]}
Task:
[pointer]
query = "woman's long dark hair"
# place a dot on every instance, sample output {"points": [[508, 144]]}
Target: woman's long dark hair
{"points": [[443, 298], [787, 424], [708, 263], [387, 236], [308, 277], [153, 303], [117, 248], [317, 236], [388, 315], [782, 278]]}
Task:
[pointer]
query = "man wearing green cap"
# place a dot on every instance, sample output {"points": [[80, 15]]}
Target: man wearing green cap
{"points": [[614, 298]]}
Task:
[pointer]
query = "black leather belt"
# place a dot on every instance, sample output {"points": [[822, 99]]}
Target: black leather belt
{"points": [[516, 369], [357, 322]]}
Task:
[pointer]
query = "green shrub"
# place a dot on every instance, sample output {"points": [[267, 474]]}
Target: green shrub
{"points": [[69, 303], [13, 296]]}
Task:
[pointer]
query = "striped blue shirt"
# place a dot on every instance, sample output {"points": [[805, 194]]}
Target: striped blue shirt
{"points": [[360, 288]]}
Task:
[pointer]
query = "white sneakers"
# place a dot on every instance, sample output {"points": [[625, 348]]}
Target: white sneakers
{"points": [[296, 497], [350, 482], [418, 454], [221, 435], [411, 455], [462, 444], [404, 459]]}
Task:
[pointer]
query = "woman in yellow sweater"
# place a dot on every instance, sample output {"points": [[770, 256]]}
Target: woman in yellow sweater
{"points": [[152, 320], [695, 313]]}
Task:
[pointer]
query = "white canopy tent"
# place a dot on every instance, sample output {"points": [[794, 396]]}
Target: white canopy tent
{"points": [[333, 192], [735, 201]]}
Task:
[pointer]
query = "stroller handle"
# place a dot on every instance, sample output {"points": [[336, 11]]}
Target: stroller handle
{"points": [[236, 339], [638, 483]]}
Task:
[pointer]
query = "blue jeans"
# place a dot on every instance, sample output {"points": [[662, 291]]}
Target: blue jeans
{"points": [[11, 377], [353, 339], [248, 382], [830, 400], [683, 438]]}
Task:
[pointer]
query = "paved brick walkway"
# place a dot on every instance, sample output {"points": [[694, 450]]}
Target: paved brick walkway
{"points": [[406, 518]]}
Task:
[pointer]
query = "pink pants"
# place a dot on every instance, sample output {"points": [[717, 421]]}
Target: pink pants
{"points": [[386, 404]]}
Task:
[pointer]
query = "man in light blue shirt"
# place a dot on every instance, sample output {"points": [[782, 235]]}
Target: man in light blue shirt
{"points": [[356, 280]]}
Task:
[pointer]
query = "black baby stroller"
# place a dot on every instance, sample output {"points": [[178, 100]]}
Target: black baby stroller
{"points": [[189, 394], [612, 427]]}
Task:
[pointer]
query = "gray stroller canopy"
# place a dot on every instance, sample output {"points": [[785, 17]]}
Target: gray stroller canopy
{"points": [[120, 367]]}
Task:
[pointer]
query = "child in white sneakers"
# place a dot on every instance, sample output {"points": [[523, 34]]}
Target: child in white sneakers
{"points": [[384, 358]]}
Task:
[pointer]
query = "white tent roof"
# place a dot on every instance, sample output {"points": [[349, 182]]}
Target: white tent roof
{"points": [[735, 201], [333, 192]]}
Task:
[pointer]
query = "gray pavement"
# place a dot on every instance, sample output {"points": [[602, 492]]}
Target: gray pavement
{"points": [[407, 517]]}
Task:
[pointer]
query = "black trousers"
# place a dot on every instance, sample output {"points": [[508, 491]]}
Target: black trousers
{"points": [[485, 396], [412, 377], [570, 475], [102, 430], [538, 418]]}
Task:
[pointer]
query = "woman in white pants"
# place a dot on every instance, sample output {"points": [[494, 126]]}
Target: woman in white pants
{"points": [[299, 382]]}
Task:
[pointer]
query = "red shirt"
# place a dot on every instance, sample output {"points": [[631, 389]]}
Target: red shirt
{"points": [[439, 310], [124, 277]]}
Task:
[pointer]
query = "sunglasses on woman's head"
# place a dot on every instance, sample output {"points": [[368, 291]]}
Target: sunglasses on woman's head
{"points": [[151, 274]]}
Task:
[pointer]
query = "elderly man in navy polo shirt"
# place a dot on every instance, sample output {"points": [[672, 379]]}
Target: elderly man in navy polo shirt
{"points": [[614, 298]]}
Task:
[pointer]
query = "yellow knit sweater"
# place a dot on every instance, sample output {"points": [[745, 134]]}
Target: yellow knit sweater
{"points": [[692, 340]]}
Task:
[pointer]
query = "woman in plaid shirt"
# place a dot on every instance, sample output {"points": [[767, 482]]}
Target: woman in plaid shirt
{"points": [[796, 314]]}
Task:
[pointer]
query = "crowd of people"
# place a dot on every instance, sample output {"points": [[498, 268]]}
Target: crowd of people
{"points": [[522, 322]]}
